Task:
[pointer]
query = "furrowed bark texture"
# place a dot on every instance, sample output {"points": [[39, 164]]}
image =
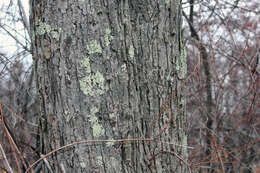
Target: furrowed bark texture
{"points": [[105, 69]]}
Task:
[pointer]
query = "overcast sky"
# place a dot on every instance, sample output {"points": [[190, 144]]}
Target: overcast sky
{"points": [[7, 44]]}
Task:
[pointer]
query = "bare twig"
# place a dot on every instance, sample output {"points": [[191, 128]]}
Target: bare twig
{"points": [[85, 142], [23, 16], [173, 153], [9, 139], [6, 161]]}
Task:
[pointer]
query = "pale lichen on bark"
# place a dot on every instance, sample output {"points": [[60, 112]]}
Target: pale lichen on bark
{"points": [[167, 2], [131, 51], [94, 47], [98, 130], [92, 84], [45, 28], [108, 37], [82, 164], [181, 63]]}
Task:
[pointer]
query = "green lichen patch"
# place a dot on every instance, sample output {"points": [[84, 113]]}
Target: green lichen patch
{"points": [[82, 164], [131, 51], [92, 84], [93, 119], [99, 160], [94, 47], [94, 110], [99, 79], [108, 37], [97, 128], [84, 85], [55, 34], [167, 2], [42, 28], [112, 115], [86, 65], [181, 64], [45, 28]]}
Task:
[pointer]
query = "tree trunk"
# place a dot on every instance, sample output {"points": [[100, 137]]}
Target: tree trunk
{"points": [[107, 70]]}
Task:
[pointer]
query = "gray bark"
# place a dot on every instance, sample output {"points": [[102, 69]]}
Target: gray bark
{"points": [[104, 70]]}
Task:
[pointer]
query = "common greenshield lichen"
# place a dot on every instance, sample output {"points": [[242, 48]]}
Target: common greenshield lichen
{"points": [[98, 130], [94, 47], [99, 160], [86, 65], [167, 2], [108, 37], [83, 164], [131, 51], [44, 28], [92, 83], [181, 64]]}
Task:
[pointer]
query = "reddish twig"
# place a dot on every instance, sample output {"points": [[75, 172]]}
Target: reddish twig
{"points": [[173, 153], [85, 142], [4, 156], [10, 140]]}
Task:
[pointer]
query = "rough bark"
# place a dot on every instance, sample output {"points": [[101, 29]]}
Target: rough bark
{"points": [[104, 70]]}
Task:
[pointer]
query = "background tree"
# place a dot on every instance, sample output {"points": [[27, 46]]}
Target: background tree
{"points": [[104, 70], [18, 128], [223, 42]]}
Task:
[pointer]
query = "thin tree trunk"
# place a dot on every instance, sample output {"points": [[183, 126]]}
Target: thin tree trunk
{"points": [[209, 99], [104, 70]]}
